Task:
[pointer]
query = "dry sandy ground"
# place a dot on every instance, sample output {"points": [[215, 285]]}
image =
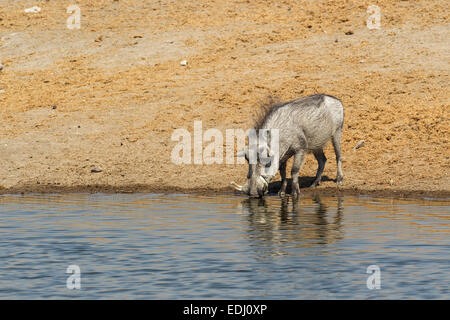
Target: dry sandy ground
{"points": [[109, 96]]}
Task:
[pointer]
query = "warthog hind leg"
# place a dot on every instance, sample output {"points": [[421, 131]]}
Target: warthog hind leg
{"points": [[321, 160], [282, 191], [337, 150]]}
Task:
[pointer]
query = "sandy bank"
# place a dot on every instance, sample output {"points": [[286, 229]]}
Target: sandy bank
{"points": [[94, 109]]}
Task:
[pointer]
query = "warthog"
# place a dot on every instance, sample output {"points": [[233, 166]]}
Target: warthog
{"points": [[304, 126]]}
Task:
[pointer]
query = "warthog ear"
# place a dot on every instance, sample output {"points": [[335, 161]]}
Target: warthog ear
{"points": [[265, 155], [263, 149], [270, 153], [243, 153]]}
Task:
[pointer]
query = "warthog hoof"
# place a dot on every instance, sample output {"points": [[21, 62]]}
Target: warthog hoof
{"points": [[295, 194], [315, 183]]}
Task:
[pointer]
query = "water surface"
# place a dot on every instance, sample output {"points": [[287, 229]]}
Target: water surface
{"points": [[154, 246]]}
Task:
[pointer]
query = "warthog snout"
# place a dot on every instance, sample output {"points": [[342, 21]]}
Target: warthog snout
{"points": [[244, 189], [237, 186], [257, 190]]}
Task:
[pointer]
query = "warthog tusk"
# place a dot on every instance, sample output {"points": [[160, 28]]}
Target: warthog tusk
{"points": [[236, 186]]}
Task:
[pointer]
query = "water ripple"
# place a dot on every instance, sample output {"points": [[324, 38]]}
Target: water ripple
{"points": [[153, 246]]}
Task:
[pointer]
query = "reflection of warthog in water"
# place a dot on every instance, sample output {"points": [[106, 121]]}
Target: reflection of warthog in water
{"points": [[304, 125], [274, 228]]}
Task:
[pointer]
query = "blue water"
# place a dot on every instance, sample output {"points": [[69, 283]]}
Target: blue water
{"points": [[154, 246]]}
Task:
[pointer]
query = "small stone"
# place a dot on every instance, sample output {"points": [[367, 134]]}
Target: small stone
{"points": [[96, 170], [34, 9], [360, 144], [183, 63], [349, 33]]}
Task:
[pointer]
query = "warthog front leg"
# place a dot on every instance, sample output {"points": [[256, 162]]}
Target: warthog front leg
{"points": [[321, 160], [299, 157], [282, 191]]}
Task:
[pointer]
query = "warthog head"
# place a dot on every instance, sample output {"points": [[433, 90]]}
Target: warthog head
{"points": [[257, 182]]}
